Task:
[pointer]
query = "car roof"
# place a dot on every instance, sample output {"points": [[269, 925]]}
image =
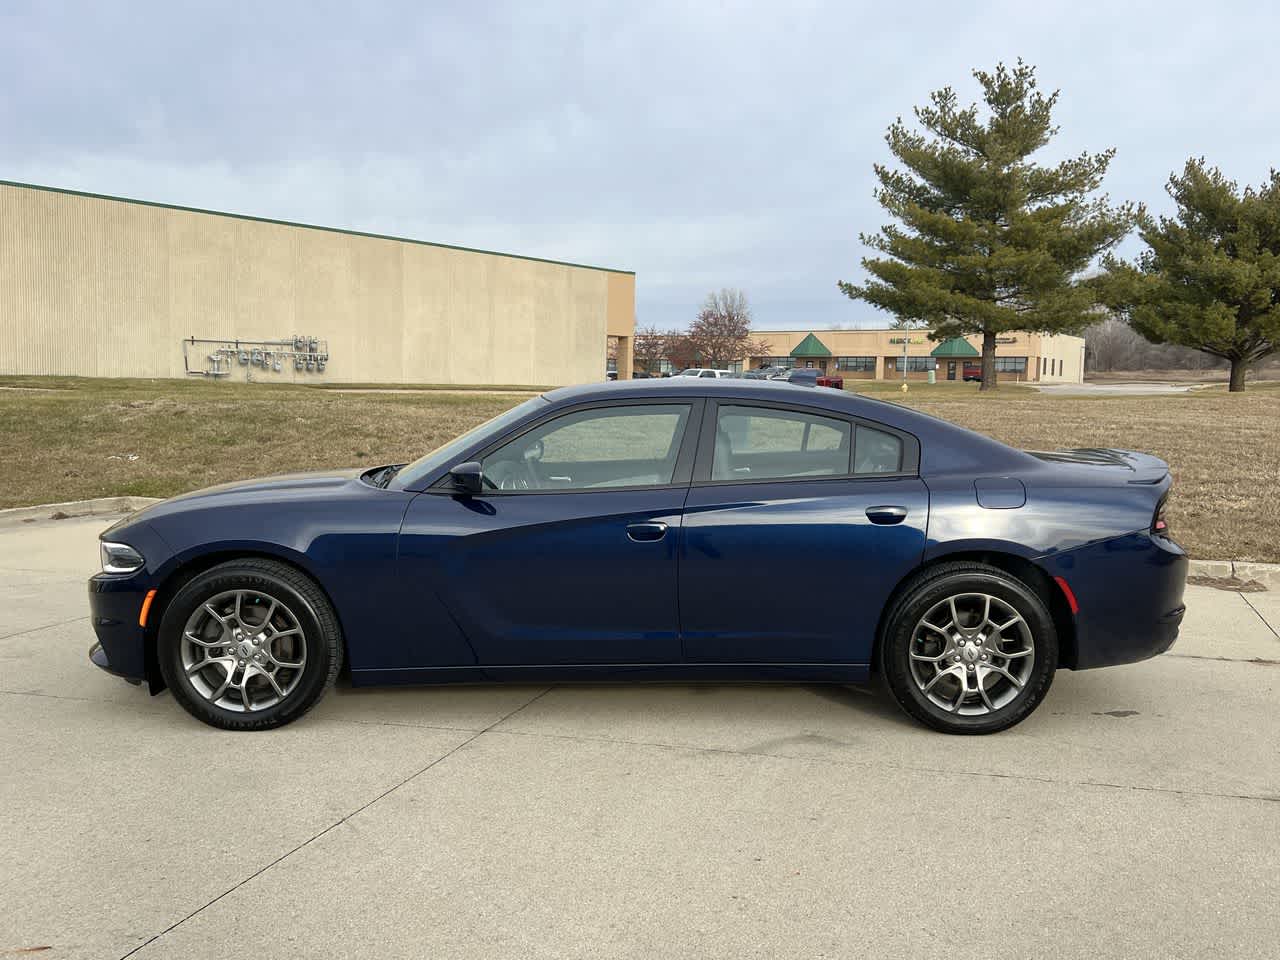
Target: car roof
{"points": [[945, 446], [769, 391]]}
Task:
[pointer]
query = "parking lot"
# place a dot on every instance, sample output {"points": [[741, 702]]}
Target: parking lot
{"points": [[1136, 814]]}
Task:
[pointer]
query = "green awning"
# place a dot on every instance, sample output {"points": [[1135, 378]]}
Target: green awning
{"points": [[955, 347], [811, 346]]}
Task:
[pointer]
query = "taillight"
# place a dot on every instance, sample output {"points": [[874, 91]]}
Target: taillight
{"points": [[1159, 523]]}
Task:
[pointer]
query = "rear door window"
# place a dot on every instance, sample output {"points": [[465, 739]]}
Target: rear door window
{"points": [[876, 451], [757, 443]]}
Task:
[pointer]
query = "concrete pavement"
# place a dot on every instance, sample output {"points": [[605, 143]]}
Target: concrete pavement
{"points": [[1136, 814], [1141, 389]]}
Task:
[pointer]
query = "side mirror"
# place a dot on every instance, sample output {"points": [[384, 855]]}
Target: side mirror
{"points": [[467, 477]]}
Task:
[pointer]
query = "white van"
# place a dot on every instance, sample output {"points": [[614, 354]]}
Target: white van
{"points": [[703, 372]]}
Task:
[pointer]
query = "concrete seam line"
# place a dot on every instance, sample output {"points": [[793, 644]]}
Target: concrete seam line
{"points": [[47, 626], [1265, 623], [906, 768], [337, 823], [1257, 661]]}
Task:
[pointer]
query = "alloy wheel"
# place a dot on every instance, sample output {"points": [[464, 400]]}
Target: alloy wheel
{"points": [[243, 650], [972, 654]]}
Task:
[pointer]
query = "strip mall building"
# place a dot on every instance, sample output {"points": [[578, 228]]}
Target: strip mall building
{"points": [[891, 354]]}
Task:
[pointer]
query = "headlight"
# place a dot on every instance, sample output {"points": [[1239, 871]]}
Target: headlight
{"points": [[120, 557]]}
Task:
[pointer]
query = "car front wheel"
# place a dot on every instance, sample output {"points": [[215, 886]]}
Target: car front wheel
{"points": [[969, 649], [249, 645]]}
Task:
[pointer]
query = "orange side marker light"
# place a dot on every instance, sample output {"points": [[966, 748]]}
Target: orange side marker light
{"points": [[146, 608]]}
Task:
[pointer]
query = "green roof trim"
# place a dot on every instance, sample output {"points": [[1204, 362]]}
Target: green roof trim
{"points": [[955, 347], [811, 346], [302, 226]]}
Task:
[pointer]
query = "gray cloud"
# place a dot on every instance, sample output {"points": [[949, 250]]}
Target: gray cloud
{"points": [[702, 146]]}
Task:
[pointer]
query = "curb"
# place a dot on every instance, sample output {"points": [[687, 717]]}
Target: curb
{"points": [[1266, 575], [75, 508]]}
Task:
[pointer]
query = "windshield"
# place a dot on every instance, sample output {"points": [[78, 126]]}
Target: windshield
{"points": [[691, 372], [444, 454]]}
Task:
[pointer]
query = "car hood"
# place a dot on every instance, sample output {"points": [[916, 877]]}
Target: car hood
{"points": [[285, 485]]}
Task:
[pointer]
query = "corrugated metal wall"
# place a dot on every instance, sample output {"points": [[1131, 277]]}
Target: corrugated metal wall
{"points": [[92, 286]]}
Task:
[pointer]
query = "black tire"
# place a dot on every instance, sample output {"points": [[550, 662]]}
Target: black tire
{"points": [[966, 579], [302, 599]]}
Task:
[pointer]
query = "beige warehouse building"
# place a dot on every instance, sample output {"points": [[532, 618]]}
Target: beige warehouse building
{"points": [[102, 286], [891, 354]]}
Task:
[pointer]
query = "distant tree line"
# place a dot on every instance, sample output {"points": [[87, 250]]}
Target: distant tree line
{"points": [[1113, 345]]}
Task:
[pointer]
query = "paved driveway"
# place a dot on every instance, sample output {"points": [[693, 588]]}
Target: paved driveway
{"points": [[1115, 389], [1137, 814]]}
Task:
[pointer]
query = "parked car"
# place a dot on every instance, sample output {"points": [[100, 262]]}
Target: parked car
{"points": [[645, 530], [766, 373], [812, 377], [705, 372]]}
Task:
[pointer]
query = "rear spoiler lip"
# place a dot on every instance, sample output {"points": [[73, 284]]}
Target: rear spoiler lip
{"points": [[1151, 470]]}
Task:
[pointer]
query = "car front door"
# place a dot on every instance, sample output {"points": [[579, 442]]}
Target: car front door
{"points": [[797, 527], [568, 555]]}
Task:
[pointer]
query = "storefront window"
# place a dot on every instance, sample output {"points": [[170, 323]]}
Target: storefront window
{"points": [[915, 364], [1011, 364], [857, 364]]}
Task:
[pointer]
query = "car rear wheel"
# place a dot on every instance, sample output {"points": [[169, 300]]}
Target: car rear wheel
{"points": [[969, 649], [249, 645]]}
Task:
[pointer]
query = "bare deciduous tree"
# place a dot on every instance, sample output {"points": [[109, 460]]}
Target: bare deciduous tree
{"points": [[722, 332], [649, 347]]}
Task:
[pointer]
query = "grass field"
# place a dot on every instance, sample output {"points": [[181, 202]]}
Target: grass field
{"points": [[70, 439]]}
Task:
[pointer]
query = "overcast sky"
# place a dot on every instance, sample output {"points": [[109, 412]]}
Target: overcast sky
{"points": [[700, 145]]}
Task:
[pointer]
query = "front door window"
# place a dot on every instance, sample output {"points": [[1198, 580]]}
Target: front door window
{"points": [[616, 446]]}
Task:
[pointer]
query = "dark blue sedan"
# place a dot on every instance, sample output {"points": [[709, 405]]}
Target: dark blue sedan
{"points": [[682, 529]]}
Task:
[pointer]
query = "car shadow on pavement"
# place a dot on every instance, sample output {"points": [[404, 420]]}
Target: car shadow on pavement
{"points": [[869, 700], [592, 704]]}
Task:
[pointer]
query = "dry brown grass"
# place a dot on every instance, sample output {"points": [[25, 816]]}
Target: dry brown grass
{"points": [[60, 437], [73, 439]]}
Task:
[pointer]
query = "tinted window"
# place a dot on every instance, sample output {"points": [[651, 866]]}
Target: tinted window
{"points": [[453, 449], [604, 447], [754, 443], [877, 452]]}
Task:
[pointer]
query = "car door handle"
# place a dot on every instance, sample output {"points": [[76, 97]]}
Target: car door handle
{"points": [[646, 532], [886, 515]]}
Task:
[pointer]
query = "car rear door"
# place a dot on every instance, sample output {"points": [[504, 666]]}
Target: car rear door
{"points": [[572, 558], [798, 525]]}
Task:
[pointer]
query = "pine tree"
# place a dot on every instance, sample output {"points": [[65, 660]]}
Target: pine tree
{"points": [[1210, 276], [988, 241]]}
